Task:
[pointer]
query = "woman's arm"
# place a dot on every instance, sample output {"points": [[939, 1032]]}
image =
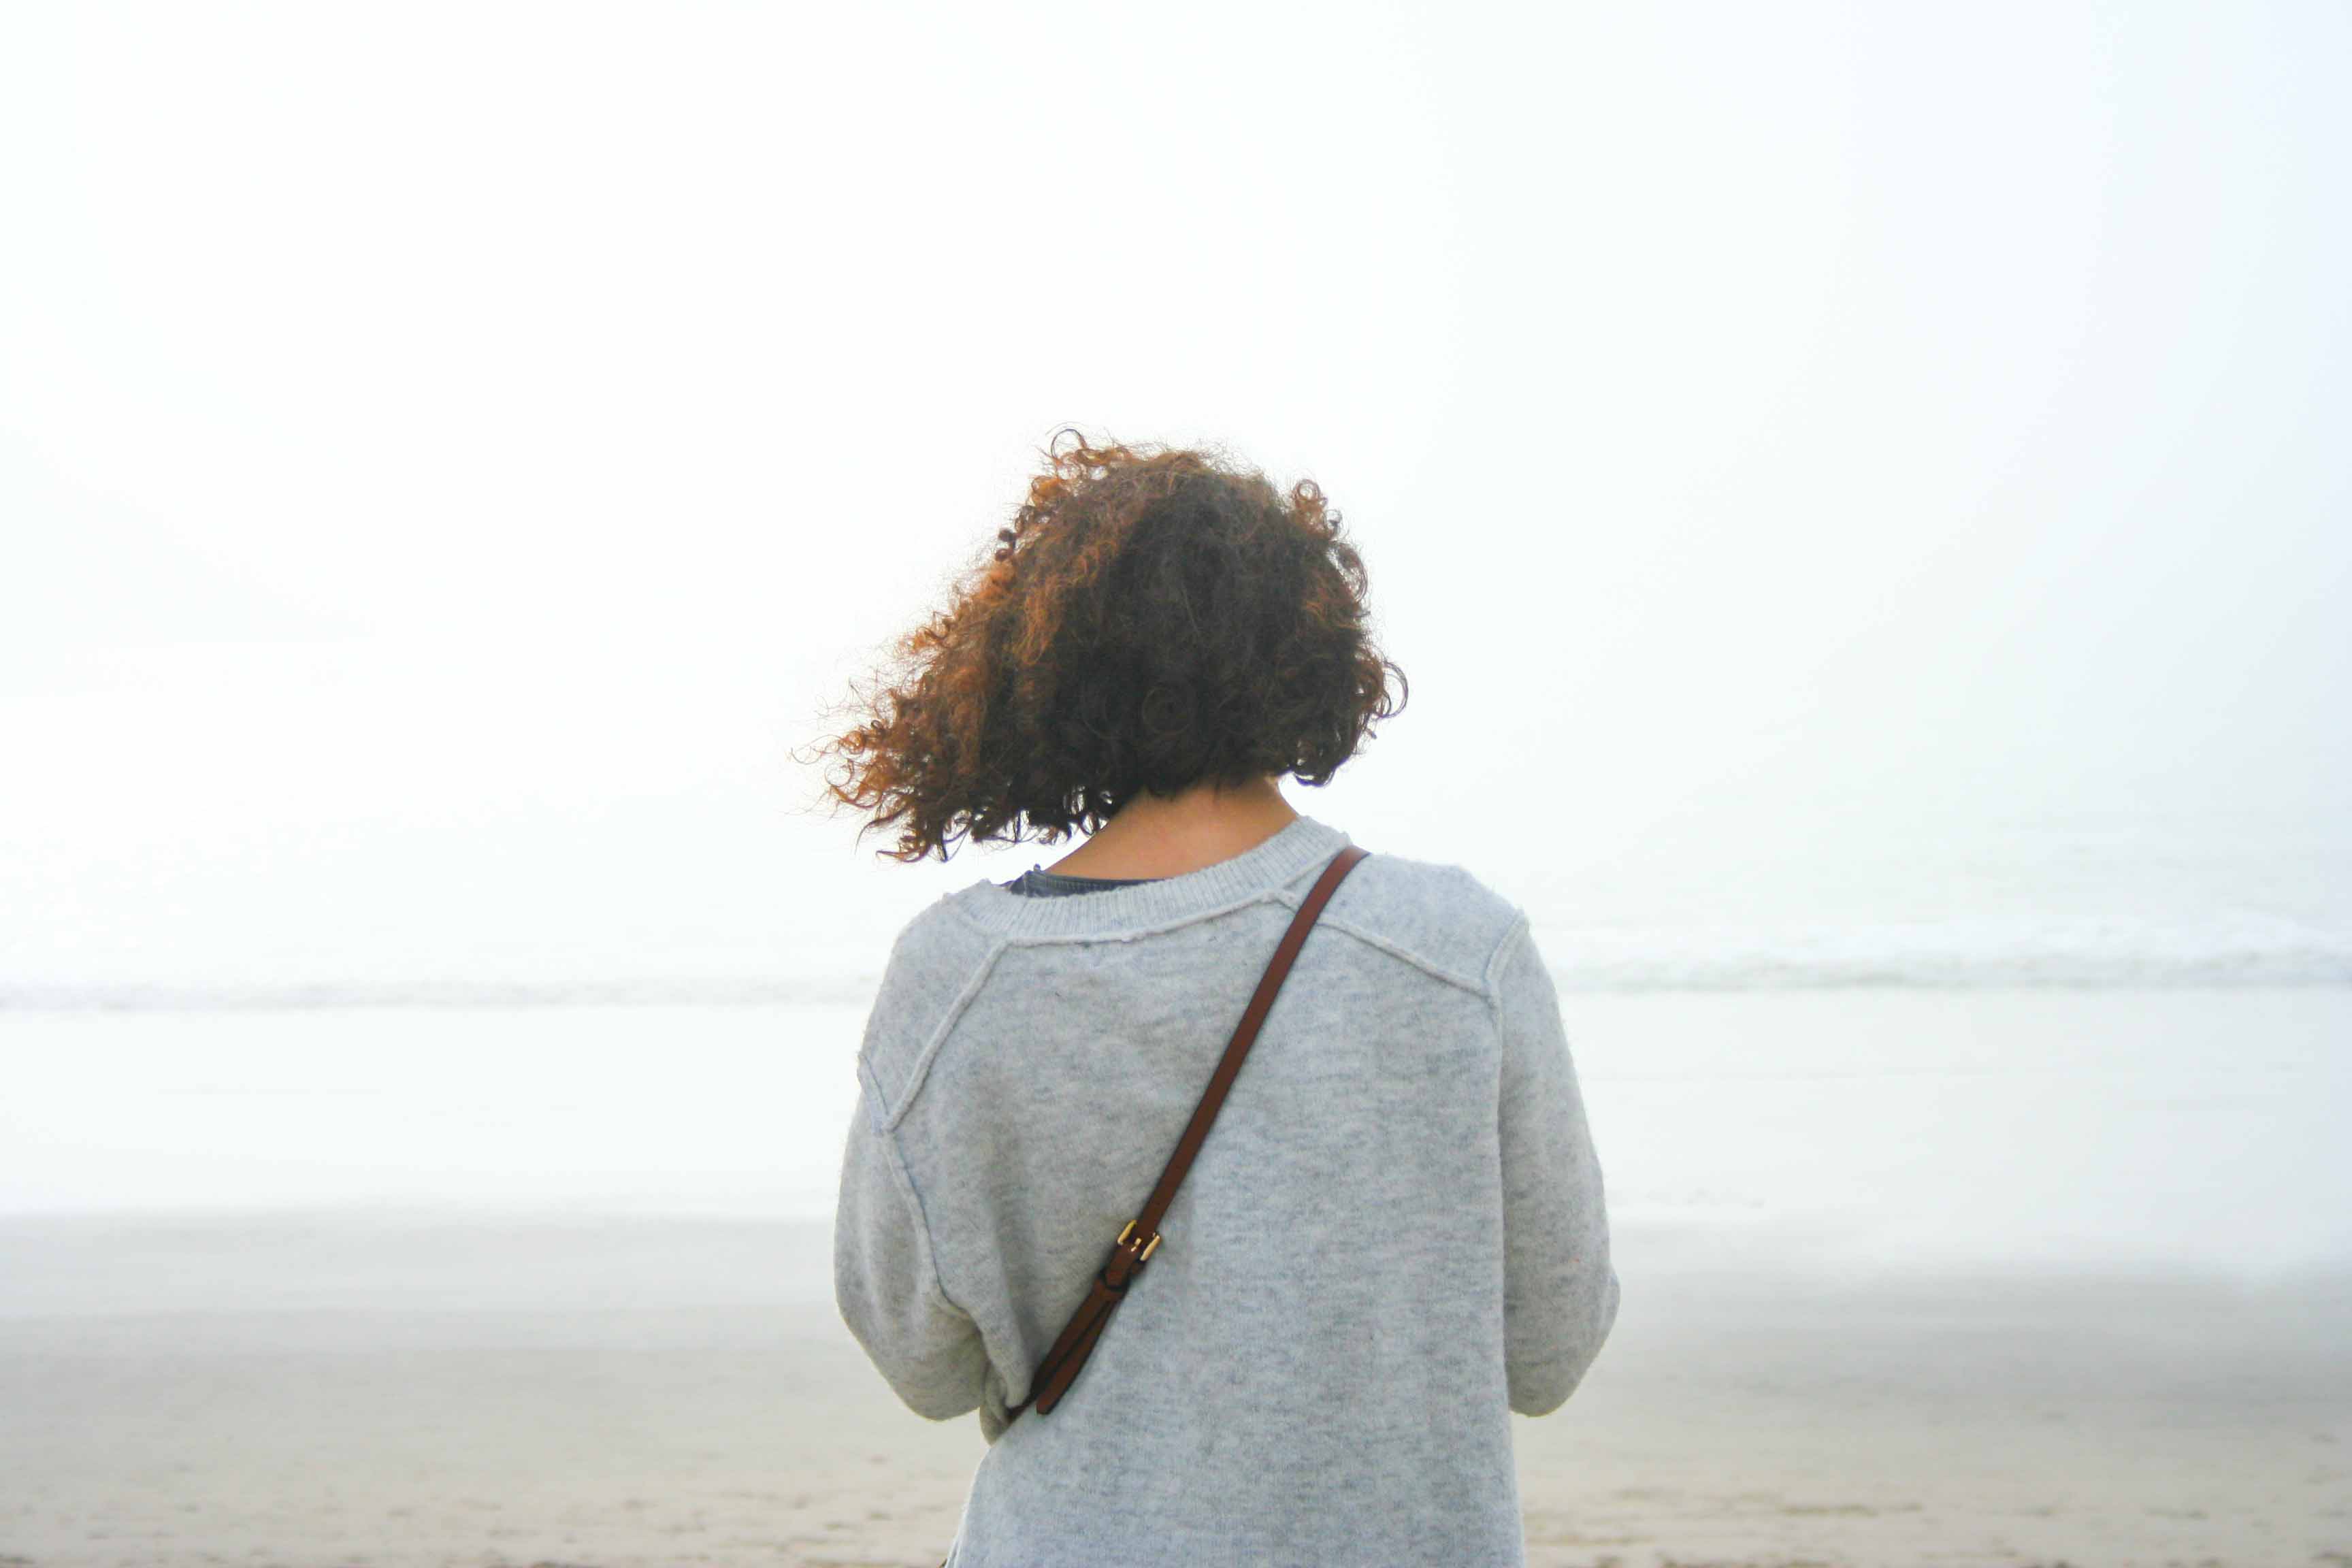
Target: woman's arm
{"points": [[1559, 1289], [884, 1281]]}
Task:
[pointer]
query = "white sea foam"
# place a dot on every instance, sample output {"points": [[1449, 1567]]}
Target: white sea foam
{"points": [[2248, 949]]}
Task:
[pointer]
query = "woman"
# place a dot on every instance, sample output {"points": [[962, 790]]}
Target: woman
{"points": [[1394, 1234]]}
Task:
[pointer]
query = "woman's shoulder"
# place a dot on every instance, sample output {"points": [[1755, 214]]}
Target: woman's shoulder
{"points": [[925, 981], [1439, 912]]}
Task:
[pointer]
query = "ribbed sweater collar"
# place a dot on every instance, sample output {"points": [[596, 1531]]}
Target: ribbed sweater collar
{"points": [[1273, 863]]}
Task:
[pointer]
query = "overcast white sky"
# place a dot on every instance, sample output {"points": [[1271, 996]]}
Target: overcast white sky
{"points": [[447, 455]]}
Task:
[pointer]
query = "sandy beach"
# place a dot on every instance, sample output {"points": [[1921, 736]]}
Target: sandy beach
{"points": [[688, 1411], [1987, 1277]]}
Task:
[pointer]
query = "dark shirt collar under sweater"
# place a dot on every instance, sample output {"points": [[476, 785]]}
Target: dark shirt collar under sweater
{"points": [[1038, 882]]}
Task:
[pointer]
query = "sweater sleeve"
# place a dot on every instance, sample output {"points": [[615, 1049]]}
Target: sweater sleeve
{"points": [[886, 1281], [1560, 1288]]}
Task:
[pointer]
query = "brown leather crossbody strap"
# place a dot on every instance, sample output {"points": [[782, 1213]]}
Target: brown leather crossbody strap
{"points": [[1135, 1244]]}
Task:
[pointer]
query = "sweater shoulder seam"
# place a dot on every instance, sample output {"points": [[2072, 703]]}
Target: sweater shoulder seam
{"points": [[1498, 960], [919, 1071], [1395, 950]]}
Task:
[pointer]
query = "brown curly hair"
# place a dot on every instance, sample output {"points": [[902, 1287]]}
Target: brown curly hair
{"points": [[1151, 620]]}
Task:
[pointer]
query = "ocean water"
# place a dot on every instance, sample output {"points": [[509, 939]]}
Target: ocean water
{"points": [[1860, 1129], [656, 908], [1873, 1042]]}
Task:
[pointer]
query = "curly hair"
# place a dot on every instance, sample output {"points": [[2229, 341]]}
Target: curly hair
{"points": [[1151, 620]]}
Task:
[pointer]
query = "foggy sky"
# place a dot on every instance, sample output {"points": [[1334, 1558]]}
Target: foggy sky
{"points": [[448, 456]]}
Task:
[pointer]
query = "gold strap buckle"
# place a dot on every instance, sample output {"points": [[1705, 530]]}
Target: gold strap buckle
{"points": [[1147, 1245]]}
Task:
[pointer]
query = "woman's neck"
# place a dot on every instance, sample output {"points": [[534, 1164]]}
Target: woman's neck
{"points": [[1150, 836]]}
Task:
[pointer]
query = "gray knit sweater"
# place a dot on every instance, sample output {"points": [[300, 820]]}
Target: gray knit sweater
{"points": [[1393, 1236]]}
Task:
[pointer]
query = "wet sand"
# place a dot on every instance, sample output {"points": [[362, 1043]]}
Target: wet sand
{"points": [[703, 1404]]}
